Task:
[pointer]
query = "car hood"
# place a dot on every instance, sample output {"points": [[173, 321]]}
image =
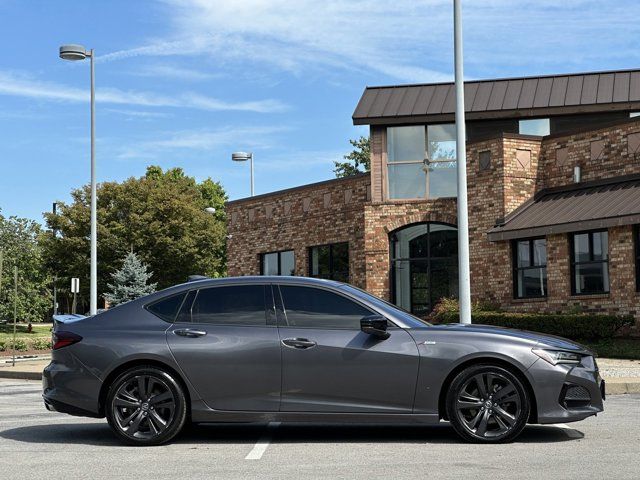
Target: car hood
{"points": [[541, 339]]}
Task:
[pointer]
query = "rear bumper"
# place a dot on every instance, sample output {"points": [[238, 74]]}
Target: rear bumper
{"points": [[69, 387], [56, 406], [565, 393]]}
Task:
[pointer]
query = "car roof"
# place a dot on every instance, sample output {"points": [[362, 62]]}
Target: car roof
{"points": [[252, 279]]}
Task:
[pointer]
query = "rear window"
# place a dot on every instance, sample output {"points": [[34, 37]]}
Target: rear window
{"points": [[167, 308]]}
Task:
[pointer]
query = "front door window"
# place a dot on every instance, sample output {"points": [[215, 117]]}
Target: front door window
{"points": [[424, 260]]}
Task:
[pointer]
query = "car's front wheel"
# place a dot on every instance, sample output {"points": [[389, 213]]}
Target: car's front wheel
{"points": [[146, 406], [487, 403]]}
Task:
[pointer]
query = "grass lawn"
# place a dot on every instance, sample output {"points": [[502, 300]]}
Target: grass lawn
{"points": [[39, 330], [627, 348]]}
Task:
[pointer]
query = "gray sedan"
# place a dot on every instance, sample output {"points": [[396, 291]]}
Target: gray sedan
{"points": [[258, 349]]}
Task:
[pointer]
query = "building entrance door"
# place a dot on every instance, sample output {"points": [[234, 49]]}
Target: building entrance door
{"points": [[424, 265]]}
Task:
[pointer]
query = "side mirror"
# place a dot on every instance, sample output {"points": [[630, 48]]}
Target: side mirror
{"points": [[375, 325]]}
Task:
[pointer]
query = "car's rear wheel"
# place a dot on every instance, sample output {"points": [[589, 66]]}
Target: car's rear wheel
{"points": [[146, 406], [487, 403]]}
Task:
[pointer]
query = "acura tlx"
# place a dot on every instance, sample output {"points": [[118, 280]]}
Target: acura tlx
{"points": [[259, 349]]}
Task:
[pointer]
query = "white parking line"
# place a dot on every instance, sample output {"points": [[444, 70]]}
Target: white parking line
{"points": [[263, 442], [571, 432]]}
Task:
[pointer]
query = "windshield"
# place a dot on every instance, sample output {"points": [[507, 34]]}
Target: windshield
{"points": [[384, 305]]}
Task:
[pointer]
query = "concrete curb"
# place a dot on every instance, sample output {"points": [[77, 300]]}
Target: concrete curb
{"points": [[20, 375], [619, 388]]}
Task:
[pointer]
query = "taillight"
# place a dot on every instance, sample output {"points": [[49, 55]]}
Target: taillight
{"points": [[64, 339]]}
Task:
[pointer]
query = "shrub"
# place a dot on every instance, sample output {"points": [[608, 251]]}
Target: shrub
{"points": [[3, 346], [451, 305], [20, 345], [569, 325], [41, 343]]}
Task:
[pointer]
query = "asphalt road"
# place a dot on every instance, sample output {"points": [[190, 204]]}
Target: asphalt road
{"points": [[35, 444]]}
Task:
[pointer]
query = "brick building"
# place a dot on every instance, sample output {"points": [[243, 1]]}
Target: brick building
{"points": [[553, 167]]}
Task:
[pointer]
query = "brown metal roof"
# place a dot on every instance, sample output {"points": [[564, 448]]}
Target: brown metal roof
{"points": [[600, 204], [502, 98]]}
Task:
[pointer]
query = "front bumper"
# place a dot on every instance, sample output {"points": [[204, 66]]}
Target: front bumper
{"points": [[567, 393]]}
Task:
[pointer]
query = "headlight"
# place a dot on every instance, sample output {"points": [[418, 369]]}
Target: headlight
{"points": [[554, 357]]}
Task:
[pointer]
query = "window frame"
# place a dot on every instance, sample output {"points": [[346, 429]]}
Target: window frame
{"points": [[279, 252], [573, 263], [516, 269], [425, 162], [283, 321], [331, 270]]}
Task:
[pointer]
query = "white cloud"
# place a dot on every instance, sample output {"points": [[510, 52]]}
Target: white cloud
{"points": [[206, 140], [22, 86], [174, 72], [409, 40]]}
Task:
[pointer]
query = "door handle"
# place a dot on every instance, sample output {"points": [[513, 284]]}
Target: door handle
{"points": [[188, 332], [299, 343]]}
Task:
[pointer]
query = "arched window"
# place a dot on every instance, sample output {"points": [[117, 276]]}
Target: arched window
{"points": [[424, 265]]}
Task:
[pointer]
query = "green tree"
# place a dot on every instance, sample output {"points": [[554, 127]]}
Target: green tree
{"points": [[358, 161], [20, 247], [130, 282], [160, 216]]}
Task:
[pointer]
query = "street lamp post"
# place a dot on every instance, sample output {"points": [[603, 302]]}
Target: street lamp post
{"points": [[78, 52], [464, 281], [243, 157]]}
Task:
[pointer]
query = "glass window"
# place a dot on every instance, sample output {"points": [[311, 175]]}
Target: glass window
{"points": [[230, 305], [442, 141], [405, 144], [167, 308], [421, 161], [278, 263], [330, 262], [590, 262], [318, 308], [185, 311], [530, 268], [442, 179], [538, 126], [407, 180]]}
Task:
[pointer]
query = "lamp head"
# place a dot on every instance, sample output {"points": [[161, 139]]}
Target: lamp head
{"points": [[73, 52], [241, 156]]}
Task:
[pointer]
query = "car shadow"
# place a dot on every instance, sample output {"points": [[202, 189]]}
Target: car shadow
{"points": [[99, 434]]}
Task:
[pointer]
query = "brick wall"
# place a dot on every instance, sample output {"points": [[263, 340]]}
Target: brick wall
{"points": [[503, 172], [328, 212]]}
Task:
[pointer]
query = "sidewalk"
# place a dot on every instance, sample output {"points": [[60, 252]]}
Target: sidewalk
{"points": [[621, 376]]}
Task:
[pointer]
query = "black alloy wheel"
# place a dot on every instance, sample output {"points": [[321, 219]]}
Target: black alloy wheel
{"points": [[146, 406], [487, 403]]}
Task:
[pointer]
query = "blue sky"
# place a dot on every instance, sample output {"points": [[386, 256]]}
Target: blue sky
{"points": [[185, 83]]}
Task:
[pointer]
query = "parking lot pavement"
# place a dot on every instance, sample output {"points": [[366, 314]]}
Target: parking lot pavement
{"points": [[35, 443]]}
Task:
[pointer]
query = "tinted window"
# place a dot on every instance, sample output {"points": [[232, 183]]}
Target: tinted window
{"points": [[232, 305], [185, 311], [330, 261], [278, 263], [317, 308], [167, 308]]}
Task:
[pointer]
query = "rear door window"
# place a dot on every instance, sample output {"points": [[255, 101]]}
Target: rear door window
{"points": [[230, 305], [311, 307], [167, 308]]}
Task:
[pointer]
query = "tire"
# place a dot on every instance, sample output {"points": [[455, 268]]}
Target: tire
{"points": [[146, 406], [487, 404]]}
